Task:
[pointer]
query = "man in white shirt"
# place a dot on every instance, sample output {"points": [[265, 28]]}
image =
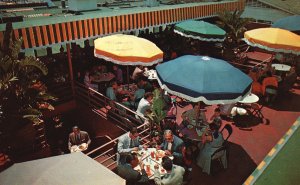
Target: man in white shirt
{"points": [[144, 104], [174, 175], [138, 71]]}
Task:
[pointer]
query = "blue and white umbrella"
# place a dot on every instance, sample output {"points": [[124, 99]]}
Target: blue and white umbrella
{"points": [[202, 78], [291, 23]]}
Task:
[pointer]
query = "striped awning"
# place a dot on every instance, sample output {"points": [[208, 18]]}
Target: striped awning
{"points": [[80, 30]]}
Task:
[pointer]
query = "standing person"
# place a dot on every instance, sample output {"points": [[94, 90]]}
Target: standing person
{"points": [[132, 176], [138, 72], [173, 145], [78, 137], [174, 175], [127, 143]]}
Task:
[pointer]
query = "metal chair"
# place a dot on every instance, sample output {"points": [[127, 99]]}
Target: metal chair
{"points": [[256, 110], [229, 131], [219, 155]]}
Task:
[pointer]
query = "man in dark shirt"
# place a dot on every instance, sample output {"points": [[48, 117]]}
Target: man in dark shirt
{"points": [[132, 176]]}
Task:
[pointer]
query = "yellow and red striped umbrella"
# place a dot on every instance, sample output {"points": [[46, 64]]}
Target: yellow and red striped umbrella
{"points": [[274, 39], [127, 50]]}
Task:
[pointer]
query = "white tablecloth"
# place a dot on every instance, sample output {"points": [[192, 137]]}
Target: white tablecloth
{"points": [[281, 67], [250, 98]]}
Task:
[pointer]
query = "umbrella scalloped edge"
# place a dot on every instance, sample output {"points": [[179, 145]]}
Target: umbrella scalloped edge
{"points": [[128, 62], [270, 49], [203, 99], [198, 37]]}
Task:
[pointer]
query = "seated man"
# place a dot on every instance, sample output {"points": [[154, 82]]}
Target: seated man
{"points": [[127, 143], [145, 103], [172, 145], [194, 115], [174, 175], [132, 176], [78, 137]]}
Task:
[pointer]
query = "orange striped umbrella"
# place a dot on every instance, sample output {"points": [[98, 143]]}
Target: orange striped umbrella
{"points": [[274, 39], [127, 50]]}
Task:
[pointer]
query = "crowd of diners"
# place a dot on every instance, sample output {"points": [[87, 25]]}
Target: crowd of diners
{"points": [[137, 94], [180, 152], [267, 82]]}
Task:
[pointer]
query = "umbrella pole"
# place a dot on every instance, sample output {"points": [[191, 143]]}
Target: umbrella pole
{"points": [[128, 76]]}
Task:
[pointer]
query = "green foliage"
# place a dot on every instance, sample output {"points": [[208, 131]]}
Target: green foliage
{"points": [[19, 94], [233, 24], [158, 112]]}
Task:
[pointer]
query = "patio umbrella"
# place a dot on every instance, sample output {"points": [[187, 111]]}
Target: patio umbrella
{"points": [[202, 78], [274, 39], [200, 30], [127, 50], [291, 23], [75, 168]]}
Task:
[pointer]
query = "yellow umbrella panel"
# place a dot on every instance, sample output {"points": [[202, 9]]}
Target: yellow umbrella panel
{"points": [[274, 39], [127, 50]]}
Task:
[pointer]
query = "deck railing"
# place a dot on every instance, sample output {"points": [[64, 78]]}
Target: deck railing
{"points": [[122, 116]]}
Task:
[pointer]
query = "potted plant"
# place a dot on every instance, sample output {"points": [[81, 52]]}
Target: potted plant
{"points": [[21, 91]]}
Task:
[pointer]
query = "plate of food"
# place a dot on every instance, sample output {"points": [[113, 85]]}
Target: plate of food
{"points": [[160, 153], [82, 147]]}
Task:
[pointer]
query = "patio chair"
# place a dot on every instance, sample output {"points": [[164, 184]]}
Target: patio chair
{"points": [[229, 131], [220, 156], [256, 110]]}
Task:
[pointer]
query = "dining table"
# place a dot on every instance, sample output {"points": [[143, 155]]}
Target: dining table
{"points": [[281, 67], [103, 77], [250, 98], [193, 131], [151, 157]]}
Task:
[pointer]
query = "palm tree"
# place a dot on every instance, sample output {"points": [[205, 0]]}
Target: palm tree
{"points": [[22, 95], [234, 25]]}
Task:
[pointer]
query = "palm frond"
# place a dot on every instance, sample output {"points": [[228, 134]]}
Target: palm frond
{"points": [[31, 61]]}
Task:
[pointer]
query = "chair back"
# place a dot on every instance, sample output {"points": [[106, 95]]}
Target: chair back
{"points": [[256, 106], [229, 131], [218, 153]]}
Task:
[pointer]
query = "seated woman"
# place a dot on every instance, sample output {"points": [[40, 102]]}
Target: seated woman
{"points": [[212, 140], [88, 81]]}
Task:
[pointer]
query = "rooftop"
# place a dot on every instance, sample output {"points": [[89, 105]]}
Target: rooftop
{"points": [[292, 6]]}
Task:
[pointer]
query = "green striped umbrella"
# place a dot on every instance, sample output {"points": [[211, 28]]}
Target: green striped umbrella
{"points": [[200, 30]]}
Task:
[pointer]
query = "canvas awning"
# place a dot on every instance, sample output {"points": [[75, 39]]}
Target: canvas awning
{"points": [[75, 169]]}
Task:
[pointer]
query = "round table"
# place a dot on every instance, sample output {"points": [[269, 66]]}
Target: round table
{"points": [[192, 132], [145, 156], [105, 77], [250, 98], [281, 67]]}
